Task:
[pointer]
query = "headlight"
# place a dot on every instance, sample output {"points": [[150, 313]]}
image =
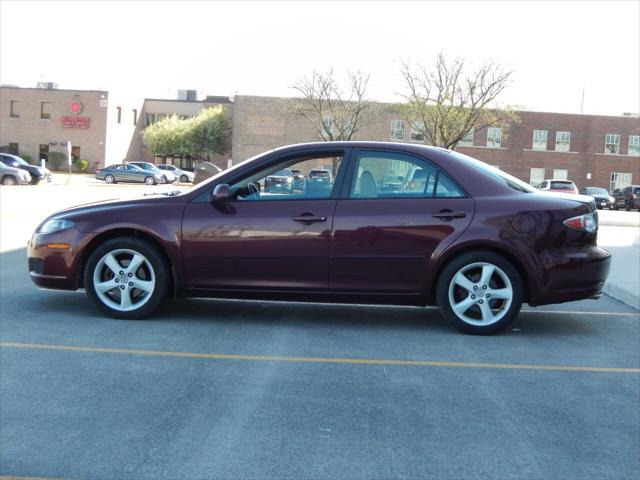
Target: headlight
{"points": [[51, 226]]}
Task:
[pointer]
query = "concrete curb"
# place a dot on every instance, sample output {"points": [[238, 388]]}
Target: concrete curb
{"points": [[622, 295]]}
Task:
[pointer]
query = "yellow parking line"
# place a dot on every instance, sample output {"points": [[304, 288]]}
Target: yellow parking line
{"points": [[356, 361]]}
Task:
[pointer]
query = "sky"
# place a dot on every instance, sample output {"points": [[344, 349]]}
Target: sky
{"points": [[153, 48]]}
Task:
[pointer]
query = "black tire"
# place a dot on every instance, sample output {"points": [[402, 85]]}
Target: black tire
{"points": [[184, 179], [150, 180], [109, 179], [508, 314], [9, 180], [161, 272]]}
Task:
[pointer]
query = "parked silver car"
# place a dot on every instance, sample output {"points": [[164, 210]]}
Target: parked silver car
{"points": [[13, 176], [183, 176], [167, 176]]}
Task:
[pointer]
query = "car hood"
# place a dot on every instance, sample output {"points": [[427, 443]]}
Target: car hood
{"points": [[599, 196], [114, 204], [35, 169]]}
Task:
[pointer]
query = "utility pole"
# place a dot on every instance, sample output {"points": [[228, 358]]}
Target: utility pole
{"points": [[582, 102]]}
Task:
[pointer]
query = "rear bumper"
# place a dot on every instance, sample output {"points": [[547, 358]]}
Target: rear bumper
{"points": [[574, 274]]}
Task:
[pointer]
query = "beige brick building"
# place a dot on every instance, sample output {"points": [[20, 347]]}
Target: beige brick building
{"points": [[591, 150]]}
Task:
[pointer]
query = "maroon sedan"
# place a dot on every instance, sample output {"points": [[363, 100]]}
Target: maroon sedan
{"points": [[461, 234]]}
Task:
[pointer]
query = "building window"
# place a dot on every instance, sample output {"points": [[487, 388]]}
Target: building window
{"points": [[417, 129], [634, 145], [135, 117], [494, 137], [160, 116], [14, 149], [467, 140], [619, 180], [612, 143], [536, 176], [397, 130], [560, 174], [14, 113], [539, 140], [563, 141], [119, 110], [43, 152], [45, 110], [149, 119]]}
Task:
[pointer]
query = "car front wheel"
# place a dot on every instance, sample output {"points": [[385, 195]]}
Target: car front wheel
{"points": [[150, 181], [479, 292], [184, 179], [9, 180], [126, 278]]}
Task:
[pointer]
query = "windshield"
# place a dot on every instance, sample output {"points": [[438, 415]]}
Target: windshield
{"points": [[562, 186], [496, 173], [597, 191]]}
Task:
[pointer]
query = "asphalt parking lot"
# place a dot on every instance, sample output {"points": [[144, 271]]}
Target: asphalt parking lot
{"points": [[231, 389]]}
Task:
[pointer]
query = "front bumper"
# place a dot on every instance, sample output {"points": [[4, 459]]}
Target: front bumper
{"points": [[572, 274], [50, 264]]}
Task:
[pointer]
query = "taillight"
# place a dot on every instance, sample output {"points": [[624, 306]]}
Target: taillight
{"points": [[584, 223], [411, 184]]}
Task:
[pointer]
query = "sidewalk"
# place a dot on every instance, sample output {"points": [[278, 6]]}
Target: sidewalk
{"points": [[624, 279]]}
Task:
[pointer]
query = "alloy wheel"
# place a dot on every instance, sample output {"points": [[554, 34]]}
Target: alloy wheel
{"points": [[480, 294], [124, 280], [109, 179]]}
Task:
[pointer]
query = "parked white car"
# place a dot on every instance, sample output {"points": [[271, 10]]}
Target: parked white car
{"points": [[150, 167], [183, 176], [13, 176]]}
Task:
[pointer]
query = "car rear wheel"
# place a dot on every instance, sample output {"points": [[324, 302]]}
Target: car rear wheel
{"points": [[150, 181], [109, 179], [479, 292], [184, 179], [126, 278], [9, 180]]}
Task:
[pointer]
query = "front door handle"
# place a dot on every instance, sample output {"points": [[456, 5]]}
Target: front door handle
{"points": [[448, 214], [309, 219]]}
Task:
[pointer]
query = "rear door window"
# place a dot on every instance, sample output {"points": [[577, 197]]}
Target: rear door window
{"points": [[395, 175]]}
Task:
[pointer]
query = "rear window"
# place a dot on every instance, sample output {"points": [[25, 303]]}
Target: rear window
{"points": [[636, 189], [496, 173], [318, 173], [562, 186]]}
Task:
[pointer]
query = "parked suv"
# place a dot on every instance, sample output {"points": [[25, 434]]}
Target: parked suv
{"points": [[627, 198], [562, 186], [281, 181], [13, 176], [150, 167], [37, 173], [319, 181]]}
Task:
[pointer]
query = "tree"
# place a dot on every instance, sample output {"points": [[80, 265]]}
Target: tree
{"points": [[205, 134], [333, 113], [448, 101]]}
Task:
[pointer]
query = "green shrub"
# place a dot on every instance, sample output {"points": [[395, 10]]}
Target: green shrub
{"points": [[57, 161], [26, 158], [81, 165]]}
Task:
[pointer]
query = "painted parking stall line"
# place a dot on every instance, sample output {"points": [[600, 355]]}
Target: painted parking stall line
{"points": [[320, 360]]}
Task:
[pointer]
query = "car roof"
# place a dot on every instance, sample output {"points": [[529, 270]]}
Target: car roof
{"points": [[558, 180]]}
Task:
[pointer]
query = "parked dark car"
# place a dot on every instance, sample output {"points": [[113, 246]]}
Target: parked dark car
{"points": [[600, 195], [183, 176], [165, 175], [319, 181], [279, 182], [13, 176], [38, 174], [204, 171], [392, 183], [299, 180], [478, 242], [128, 173], [627, 198], [561, 186]]}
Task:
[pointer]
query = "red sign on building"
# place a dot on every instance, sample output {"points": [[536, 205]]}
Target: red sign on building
{"points": [[75, 122]]}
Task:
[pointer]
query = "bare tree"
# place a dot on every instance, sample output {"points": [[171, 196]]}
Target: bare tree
{"points": [[334, 113], [447, 102]]}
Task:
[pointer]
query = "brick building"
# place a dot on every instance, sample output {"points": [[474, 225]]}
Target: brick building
{"points": [[591, 150]]}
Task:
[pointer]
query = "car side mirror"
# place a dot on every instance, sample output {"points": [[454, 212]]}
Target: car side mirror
{"points": [[221, 193]]}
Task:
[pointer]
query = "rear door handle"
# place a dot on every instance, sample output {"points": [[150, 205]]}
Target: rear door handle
{"points": [[448, 214], [309, 219]]}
